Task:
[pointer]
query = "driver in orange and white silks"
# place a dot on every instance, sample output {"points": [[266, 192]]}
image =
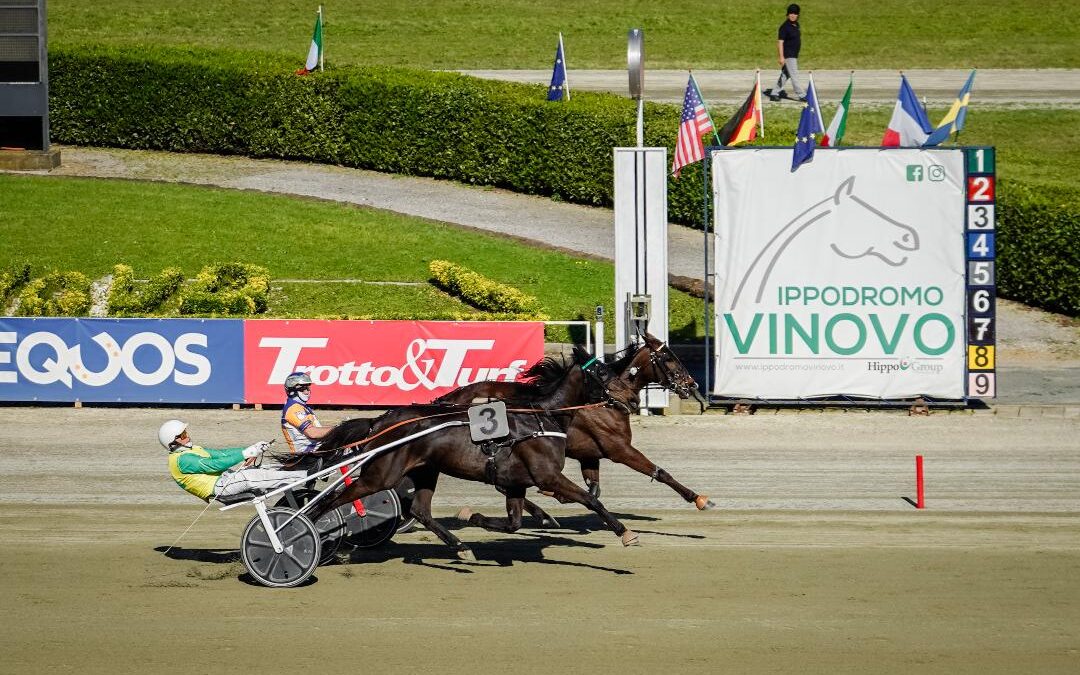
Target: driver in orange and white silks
{"points": [[299, 424], [210, 473]]}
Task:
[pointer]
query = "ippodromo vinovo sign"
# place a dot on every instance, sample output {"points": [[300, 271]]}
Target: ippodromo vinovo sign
{"points": [[864, 273]]}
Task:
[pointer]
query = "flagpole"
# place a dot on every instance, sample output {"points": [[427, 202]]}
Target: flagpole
{"points": [[566, 73], [760, 112], [322, 37]]}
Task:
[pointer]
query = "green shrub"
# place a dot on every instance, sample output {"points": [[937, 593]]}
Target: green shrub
{"points": [[56, 294], [126, 298], [1038, 254], [229, 288], [12, 279], [481, 292]]}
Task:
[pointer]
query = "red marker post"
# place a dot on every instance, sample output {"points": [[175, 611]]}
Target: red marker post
{"points": [[920, 496]]}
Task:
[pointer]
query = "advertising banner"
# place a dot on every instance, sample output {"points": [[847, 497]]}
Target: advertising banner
{"points": [[845, 277], [121, 360], [384, 362]]}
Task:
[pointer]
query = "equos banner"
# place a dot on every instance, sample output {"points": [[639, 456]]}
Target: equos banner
{"points": [[845, 277], [124, 360], [384, 362]]}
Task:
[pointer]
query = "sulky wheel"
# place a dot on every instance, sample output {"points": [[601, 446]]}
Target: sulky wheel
{"points": [[405, 490], [293, 565], [379, 522], [330, 525]]}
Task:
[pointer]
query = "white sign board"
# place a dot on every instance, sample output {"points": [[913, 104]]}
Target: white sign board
{"points": [[845, 277], [641, 246]]}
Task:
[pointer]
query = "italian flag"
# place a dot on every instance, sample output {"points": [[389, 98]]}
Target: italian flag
{"points": [[314, 55], [836, 129]]}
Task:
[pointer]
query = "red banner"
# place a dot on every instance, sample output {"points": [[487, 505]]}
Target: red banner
{"points": [[384, 362]]}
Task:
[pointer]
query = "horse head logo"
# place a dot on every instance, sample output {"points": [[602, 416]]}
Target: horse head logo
{"points": [[882, 237], [878, 236]]}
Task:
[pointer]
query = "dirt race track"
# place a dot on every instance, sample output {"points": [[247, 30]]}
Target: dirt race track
{"points": [[812, 562]]}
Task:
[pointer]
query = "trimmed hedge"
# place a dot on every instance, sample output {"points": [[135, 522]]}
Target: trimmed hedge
{"points": [[128, 299], [228, 288], [56, 294], [12, 279], [481, 292], [1038, 247], [443, 125]]}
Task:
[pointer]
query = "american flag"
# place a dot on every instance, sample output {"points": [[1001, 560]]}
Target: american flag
{"points": [[695, 124]]}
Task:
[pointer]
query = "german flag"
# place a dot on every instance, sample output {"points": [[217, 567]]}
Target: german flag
{"points": [[742, 127]]}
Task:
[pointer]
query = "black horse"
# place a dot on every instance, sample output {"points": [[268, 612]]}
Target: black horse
{"points": [[533, 455], [600, 433]]}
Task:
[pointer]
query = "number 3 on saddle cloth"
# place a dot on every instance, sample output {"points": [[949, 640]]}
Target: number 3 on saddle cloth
{"points": [[489, 429]]}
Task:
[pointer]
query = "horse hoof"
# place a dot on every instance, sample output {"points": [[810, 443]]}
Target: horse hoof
{"points": [[629, 538], [549, 522], [703, 503], [464, 514], [466, 555]]}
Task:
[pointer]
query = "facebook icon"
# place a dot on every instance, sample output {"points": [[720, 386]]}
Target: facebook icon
{"points": [[914, 173]]}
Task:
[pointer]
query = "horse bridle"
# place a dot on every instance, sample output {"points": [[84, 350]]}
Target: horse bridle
{"points": [[684, 387], [589, 368]]}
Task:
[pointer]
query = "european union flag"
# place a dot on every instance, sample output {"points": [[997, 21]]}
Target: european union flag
{"points": [[558, 87], [810, 127]]}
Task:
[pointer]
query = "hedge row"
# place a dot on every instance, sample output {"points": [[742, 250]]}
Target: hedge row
{"points": [[1038, 247], [481, 292], [222, 289], [127, 298], [434, 124]]}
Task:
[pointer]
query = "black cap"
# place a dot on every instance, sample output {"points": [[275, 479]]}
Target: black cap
{"points": [[792, 9]]}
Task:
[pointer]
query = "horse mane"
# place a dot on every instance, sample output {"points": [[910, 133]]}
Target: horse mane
{"points": [[544, 377], [620, 364]]}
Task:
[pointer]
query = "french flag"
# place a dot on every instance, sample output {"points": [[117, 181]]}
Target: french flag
{"points": [[909, 126]]}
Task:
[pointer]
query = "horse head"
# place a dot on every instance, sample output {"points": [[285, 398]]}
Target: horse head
{"points": [[659, 365], [877, 235]]}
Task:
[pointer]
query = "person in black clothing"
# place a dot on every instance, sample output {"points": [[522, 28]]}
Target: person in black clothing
{"points": [[788, 42]]}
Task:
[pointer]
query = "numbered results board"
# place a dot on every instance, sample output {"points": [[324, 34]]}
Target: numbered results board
{"points": [[981, 231]]}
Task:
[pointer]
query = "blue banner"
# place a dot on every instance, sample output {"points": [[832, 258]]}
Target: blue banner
{"points": [[122, 360]]}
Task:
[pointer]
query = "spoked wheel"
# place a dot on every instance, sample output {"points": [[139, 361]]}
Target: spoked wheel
{"points": [[405, 491], [379, 522], [330, 525], [293, 565]]}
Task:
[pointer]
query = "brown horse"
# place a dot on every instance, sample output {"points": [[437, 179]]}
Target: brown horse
{"points": [[533, 455], [604, 432]]}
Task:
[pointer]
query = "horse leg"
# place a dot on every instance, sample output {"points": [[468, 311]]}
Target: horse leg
{"points": [[563, 487], [512, 522], [425, 480], [545, 518], [630, 456], [590, 471]]}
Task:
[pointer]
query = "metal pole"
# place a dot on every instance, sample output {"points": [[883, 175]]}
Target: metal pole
{"points": [[641, 123], [706, 277]]}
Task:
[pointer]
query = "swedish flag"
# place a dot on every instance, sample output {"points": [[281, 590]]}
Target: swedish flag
{"points": [[954, 119]]}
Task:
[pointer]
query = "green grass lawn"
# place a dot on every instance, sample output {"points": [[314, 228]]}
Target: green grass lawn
{"points": [[703, 34], [90, 225], [1038, 147]]}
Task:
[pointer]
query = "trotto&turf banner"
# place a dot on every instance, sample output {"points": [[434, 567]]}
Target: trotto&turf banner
{"points": [[384, 362]]}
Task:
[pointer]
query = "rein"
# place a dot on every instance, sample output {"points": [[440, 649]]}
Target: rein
{"points": [[368, 439]]}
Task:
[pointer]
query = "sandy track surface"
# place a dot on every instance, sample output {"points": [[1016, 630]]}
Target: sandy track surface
{"points": [[813, 561]]}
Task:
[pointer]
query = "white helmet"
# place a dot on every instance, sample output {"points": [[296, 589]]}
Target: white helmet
{"points": [[168, 432]]}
